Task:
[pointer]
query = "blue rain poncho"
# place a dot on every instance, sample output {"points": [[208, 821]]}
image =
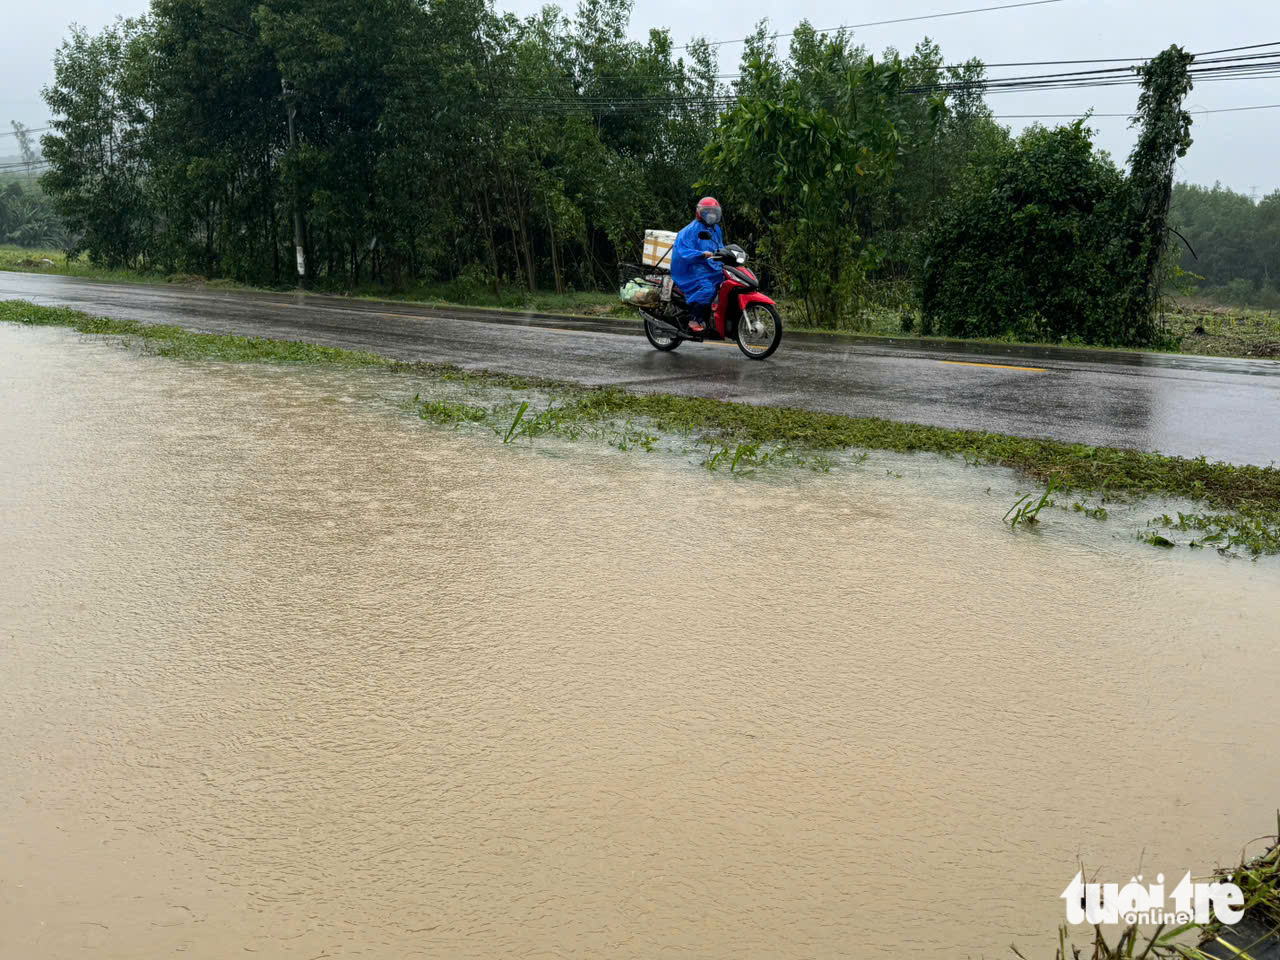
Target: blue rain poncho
{"points": [[697, 277]]}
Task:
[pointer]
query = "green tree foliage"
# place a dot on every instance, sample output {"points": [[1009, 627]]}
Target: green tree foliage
{"points": [[97, 152], [1164, 137], [1236, 242], [28, 219], [834, 160], [803, 159], [434, 141], [1050, 241], [1030, 248], [442, 141], [942, 139], [25, 147]]}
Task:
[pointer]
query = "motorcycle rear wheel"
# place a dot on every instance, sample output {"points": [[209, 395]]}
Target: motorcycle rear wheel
{"points": [[659, 340]]}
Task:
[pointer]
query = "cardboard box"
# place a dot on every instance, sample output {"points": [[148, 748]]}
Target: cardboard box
{"points": [[657, 247]]}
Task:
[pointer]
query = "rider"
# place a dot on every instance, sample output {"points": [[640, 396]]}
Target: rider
{"points": [[691, 267]]}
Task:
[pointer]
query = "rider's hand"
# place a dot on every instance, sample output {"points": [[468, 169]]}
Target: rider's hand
{"points": [[707, 254]]}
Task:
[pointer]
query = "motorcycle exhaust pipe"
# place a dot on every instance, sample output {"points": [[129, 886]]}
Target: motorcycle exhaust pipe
{"points": [[663, 327]]}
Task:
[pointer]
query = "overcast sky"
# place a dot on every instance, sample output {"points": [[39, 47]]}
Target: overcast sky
{"points": [[1242, 149]]}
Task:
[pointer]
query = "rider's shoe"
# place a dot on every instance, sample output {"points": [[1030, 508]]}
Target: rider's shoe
{"points": [[696, 326]]}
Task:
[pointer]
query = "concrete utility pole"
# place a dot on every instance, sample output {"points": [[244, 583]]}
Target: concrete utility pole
{"points": [[290, 100]]}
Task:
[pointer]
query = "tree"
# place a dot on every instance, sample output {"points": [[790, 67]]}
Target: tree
{"points": [[1236, 242], [96, 154], [804, 156], [946, 128], [28, 220], [1164, 138], [1033, 246], [1050, 241]]}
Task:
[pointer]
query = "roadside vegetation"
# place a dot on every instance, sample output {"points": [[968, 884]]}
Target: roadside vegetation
{"points": [[1209, 329], [211, 137], [1049, 240], [1240, 504], [27, 216], [1232, 249], [877, 194]]}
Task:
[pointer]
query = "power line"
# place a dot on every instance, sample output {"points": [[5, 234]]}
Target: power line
{"points": [[1249, 67], [881, 23], [1069, 80], [1067, 63], [1198, 68], [1252, 46], [14, 133], [1090, 116]]}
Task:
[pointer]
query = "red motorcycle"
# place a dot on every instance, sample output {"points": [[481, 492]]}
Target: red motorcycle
{"points": [[741, 312]]}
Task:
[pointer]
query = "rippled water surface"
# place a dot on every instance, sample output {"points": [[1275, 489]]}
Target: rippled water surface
{"points": [[285, 672]]}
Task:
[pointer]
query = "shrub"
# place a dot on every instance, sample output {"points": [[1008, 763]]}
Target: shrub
{"points": [[1033, 247]]}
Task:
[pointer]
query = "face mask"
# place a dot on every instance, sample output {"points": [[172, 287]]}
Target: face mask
{"points": [[710, 218]]}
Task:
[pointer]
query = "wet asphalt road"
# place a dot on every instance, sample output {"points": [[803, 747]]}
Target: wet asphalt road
{"points": [[1225, 409]]}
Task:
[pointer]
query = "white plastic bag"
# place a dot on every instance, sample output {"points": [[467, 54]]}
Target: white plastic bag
{"points": [[638, 293]]}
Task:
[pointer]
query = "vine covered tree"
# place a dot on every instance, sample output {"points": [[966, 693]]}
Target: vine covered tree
{"points": [[1164, 137]]}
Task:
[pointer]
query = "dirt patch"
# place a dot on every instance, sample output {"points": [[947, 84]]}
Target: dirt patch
{"points": [[1217, 331]]}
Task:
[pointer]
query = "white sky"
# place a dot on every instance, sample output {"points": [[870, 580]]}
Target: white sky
{"points": [[1242, 150]]}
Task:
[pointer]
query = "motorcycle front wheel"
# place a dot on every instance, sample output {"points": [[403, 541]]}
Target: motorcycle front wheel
{"points": [[660, 341], [759, 330]]}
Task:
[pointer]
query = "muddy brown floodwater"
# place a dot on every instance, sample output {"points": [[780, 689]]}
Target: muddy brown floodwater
{"points": [[286, 672]]}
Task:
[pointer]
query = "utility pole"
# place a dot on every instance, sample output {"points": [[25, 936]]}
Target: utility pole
{"points": [[290, 100], [24, 145]]}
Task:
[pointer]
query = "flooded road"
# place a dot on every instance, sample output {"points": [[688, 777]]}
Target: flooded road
{"points": [[286, 672]]}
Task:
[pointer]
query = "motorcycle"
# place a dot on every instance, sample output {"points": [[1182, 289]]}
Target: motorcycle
{"points": [[741, 313]]}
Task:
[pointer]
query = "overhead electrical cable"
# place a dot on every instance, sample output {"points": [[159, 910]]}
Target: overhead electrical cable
{"points": [[881, 23]]}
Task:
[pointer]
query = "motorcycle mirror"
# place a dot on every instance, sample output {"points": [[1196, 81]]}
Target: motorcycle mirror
{"points": [[704, 235]]}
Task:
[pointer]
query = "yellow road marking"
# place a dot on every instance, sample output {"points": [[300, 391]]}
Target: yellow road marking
{"points": [[998, 366]]}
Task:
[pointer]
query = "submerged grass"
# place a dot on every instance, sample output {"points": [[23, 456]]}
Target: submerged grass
{"points": [[1259, 881], [1024, 511], [168, 341], [450, 411], [1243, 502]]}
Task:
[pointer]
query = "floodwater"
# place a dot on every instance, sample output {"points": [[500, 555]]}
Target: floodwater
{"points": [[286, 672]]}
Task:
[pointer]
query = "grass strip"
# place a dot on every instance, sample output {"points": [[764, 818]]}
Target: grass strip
{"points": [[170, 341], [1246, 499]]}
